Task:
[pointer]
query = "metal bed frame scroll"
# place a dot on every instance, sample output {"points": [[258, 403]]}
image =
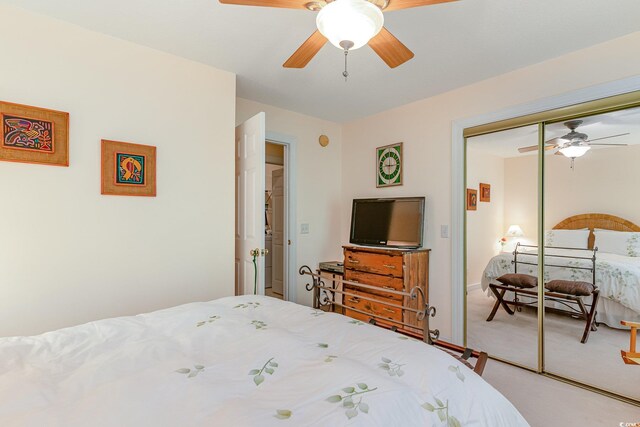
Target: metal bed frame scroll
{"points": [[584, 311], [325, 296]]}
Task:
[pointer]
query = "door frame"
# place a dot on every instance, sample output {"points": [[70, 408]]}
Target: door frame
{"points": [[458, 178], [290, 166]]}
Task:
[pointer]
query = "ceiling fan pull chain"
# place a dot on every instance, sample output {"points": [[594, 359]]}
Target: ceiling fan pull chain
{"points": [[345, 73]]}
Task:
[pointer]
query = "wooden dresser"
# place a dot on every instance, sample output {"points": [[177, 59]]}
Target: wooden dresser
{"points": [[398, 269]]}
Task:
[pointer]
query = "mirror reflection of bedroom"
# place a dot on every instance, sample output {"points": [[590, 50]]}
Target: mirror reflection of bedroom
{"points": [[507, 217], [591, 244]]}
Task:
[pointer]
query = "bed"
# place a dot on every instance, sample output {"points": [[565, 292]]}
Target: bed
{"points": [[617, 276], [239, 361]]}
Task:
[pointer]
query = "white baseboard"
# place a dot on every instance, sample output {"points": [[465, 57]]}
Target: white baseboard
{"points": [[473, 287]]}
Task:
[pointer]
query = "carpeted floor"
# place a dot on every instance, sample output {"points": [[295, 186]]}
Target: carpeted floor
{"points": [[545, 402], [597, 362]]}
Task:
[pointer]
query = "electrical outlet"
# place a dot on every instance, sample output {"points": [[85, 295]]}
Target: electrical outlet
{"points": [[304, 228], [444, 231]]}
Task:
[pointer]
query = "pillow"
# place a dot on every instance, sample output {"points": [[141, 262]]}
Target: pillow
{"points": [[625, 243], [578, 239], [518, 280], [570, 287]]}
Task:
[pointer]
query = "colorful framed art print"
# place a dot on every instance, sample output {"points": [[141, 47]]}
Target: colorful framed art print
{"points": [[33, 135], [128, 169]]}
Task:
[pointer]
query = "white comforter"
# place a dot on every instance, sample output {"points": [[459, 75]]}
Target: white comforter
{"points": [[617, 276], [239, 361]]}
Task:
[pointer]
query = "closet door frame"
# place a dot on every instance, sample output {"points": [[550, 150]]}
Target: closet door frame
{"points": [[596, 100]]}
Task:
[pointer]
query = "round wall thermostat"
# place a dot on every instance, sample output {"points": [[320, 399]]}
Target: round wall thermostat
{"points": [[323, 140]]}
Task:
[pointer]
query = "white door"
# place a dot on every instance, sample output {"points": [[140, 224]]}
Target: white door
{"points": [[277, 262], [250, 160]]}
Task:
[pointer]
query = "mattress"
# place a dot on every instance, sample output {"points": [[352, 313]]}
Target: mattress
{"points": [[239, 361], [617, 277]]}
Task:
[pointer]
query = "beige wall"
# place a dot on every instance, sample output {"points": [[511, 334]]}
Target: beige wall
{"points": [[69, 255], [603, 181], [425, 129], [485, 226], [318, 182]]}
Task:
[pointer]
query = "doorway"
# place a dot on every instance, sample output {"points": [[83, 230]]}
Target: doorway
{"points": [[275, 219], [265, 212]]}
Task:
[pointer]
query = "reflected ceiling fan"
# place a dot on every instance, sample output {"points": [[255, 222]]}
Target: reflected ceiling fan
{"points": [[348, 25], [574, 144]]}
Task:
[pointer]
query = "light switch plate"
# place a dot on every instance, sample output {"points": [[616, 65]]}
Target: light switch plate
{"points": [[444, 231], [304, 228]]}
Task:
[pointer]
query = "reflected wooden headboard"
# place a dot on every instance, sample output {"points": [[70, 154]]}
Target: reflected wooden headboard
{"points": [[596, 220]]}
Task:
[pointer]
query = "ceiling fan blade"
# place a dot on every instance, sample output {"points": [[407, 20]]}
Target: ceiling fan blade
{"points": [[535, 147], [607, 137], [306, 51], [390, 49], [553, 141], [406, 4], [527, 149], [288, 4], [610, 145]]}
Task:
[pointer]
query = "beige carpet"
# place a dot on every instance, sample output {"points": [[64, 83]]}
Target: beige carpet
{"points": [[545, 402], [514, 338]]}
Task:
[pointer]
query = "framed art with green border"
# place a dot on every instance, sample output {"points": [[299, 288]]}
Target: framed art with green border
{"points": [[389, 165], [128, 169], [33, 135]]}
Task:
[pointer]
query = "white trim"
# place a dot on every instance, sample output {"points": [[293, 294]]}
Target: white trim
{"points": [[290, 164], [579, 96]]}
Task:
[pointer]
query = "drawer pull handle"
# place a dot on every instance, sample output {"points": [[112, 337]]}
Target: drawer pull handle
{"points": [[388, 287], [389, 310], [389, 266], [354, 300], [354, 261], [355, 281]]}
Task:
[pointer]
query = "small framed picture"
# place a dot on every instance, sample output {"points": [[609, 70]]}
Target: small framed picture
{"points": [[128, 169], [472, 199], [33, 135], [485, 192], [389, 165]]}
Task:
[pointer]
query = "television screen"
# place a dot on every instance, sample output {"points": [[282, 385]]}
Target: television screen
{"points": [[394, 222]]}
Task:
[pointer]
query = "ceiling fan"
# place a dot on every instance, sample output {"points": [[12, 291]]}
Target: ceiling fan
{"points": [[574, 144], [348, 25]]}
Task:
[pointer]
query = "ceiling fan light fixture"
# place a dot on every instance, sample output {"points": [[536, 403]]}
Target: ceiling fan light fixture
{"points": [[344, 21], [574, 151]]}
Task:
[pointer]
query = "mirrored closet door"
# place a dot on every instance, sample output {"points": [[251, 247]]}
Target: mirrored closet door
{"points": [[559, 186], [502, 220], [592, 217]]}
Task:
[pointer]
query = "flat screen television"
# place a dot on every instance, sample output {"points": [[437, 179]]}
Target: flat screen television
{"points": [[390, 222]]}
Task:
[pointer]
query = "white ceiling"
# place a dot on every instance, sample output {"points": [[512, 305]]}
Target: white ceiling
{"points": [[455, 44], [506, 143]]}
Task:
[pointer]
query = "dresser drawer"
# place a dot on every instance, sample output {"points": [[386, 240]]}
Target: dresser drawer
{"points": [[383, 282], [371, 307], [373, 263]]}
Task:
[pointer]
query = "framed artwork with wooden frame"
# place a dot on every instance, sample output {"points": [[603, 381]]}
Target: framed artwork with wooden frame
{"points": [[128, 169], [33, 135], [485, 192], [472, 199], [389, 165]]}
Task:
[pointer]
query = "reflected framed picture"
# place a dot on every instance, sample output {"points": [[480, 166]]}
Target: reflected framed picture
{"points": [[128, 169], [472, 199], [33, 135], [485, 192]]}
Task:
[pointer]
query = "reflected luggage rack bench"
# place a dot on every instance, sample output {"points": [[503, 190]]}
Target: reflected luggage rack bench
{"points": [[569, 294]]}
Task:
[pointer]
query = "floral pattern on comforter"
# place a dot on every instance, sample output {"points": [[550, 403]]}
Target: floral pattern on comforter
{"points": [[239, 361]]}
